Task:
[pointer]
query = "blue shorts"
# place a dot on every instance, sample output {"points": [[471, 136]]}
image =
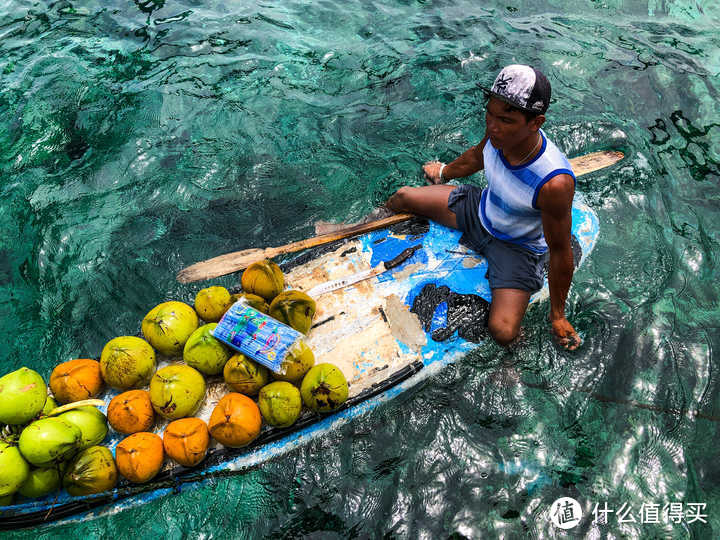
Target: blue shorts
{"points": [[509, 266]]}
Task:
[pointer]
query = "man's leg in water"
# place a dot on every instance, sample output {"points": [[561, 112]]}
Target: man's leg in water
{"points": [[507, 310], [427, 201], [325, 227]]}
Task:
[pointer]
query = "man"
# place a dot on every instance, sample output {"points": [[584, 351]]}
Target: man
{"points": [[523, 218]]}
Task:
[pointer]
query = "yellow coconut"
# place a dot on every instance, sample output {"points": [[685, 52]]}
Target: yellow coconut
{"points": [[296, 364], [245, 376], [93, 470], [252, 300], [264, 279], [14, 470], [127, 362], [204, 352], [168, 326], [294, 308], [212, 302], [324, 388], [280, 403], [177, 391]]}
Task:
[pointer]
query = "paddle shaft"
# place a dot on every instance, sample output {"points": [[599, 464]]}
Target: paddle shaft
{"points": [[239, 260]]}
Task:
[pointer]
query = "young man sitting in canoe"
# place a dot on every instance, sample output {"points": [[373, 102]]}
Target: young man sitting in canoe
{"points": [[523, 218]]}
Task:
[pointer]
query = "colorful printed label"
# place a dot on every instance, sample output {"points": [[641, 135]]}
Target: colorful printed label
{"points": [[256, 335]]}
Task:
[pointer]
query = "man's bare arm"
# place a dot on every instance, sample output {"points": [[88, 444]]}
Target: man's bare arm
{"points": [[555, 203], [469, 162]]}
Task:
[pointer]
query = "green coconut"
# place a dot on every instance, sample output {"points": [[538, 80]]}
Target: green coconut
{"points": [[252, 300], [294, 308], [168, 326], [14, 470], [263, 278], [205, 353], [50, 404], [91, 422], [48, 441], [22, 396], [245, 376], [280, 404], [177, 391], [324, 388], [296, 364], [93, 470], [127, 362], [40, 482], [212, 303]]}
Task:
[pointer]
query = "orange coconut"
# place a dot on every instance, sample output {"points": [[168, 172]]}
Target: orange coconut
{"points": [[186, 441], [131, 412], [235, 420], [139, 457], [76, 380]]}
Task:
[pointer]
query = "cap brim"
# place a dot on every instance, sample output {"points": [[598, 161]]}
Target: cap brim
{"points": [[489, 93]]}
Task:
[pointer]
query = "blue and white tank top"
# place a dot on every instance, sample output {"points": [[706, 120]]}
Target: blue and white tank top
{"points": [[508, 208]]}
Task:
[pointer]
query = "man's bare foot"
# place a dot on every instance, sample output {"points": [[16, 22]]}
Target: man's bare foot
{"points": [[326, 227], [381, 212]]}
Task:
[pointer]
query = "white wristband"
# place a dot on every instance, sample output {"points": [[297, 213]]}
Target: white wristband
{"points": [[440, 173]]}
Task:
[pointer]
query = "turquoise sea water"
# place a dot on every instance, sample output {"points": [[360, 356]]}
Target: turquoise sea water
{"points": [[138, 138]]}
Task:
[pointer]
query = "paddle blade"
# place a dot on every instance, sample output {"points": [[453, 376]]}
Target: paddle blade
{"points": [[219, 266], [595, 161]]}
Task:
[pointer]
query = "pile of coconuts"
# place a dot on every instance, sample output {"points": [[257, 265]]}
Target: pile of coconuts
{"points": [[51, 435]]}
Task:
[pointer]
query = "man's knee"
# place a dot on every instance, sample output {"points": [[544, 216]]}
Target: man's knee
{"points": [[503, 332], [401, 199]]}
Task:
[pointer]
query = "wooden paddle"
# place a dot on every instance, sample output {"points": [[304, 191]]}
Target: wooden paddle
{"points": [[239, 260]]}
